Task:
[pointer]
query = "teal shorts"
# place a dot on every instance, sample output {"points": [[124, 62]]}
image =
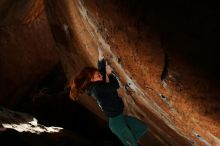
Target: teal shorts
{"points": [[128, 129]]}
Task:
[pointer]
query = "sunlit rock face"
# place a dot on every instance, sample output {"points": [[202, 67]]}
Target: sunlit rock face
{"points": [[166, 58], [23, 122], [19, 128]]}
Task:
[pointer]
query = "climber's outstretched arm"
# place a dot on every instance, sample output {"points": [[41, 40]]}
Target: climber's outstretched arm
{"points": [[101, 55]]}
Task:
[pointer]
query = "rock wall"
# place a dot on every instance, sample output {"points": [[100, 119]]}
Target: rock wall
{"points": [[26, 48], [165, 57]]}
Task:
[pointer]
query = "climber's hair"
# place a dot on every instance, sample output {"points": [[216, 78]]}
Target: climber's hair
{"points": [[81, 81]]}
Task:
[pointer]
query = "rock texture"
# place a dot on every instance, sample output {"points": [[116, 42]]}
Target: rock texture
{"points": [[22, 122], [166, 58], [26, 48]]}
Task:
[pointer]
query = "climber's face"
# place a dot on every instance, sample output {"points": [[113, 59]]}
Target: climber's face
{"points": [[97, 77]]}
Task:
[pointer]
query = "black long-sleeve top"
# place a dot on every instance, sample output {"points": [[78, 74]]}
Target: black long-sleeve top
{"points": [[105, 93]]}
